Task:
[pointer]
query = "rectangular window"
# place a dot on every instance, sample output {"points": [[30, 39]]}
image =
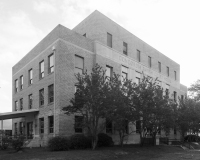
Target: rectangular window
{"points": [[167, 90], [41, 120], [109, 40], [175, 131], [174, 75], [124, 72], [41, 70], [138, 126], [138, 56], [109, 71], [51, 63], [21, 82], [109, 126], [21, 126], [149, 61], [41, 97], [125, 48], [78, 124], [16, 85], [16, 105], [21, 104], [79, 64], [159, 67], [51, 124], [15, 128], [30, 101], [175, 95], [167, 71], [51, 93], [137, 77], [30, 76]]}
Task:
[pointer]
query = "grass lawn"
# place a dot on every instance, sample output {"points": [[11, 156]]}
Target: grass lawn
{"points": [[132, 152]]}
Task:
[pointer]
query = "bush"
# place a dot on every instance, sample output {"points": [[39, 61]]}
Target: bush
{"points": [[104, 140], [5, 143], [79, 141], [18, 143], [192, 138], [59, 143]]}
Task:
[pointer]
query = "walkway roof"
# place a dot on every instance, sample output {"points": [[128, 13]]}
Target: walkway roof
{"points": [[17, 114]]}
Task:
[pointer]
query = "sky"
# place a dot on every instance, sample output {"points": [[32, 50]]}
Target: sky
{"points": [[170, 26]]}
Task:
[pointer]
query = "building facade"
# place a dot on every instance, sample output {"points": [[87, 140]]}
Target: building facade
{"points": [[44, 81]]}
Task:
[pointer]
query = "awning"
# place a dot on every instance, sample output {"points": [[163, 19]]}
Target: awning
{"points": [[17, 114]]}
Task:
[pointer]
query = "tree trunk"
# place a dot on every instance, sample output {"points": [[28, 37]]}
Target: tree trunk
{"points": [[94, 142]]}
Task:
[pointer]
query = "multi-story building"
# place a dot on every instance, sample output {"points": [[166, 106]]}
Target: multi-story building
{"points": [[44, 81]]}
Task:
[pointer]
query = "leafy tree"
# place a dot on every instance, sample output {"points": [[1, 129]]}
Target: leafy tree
{"points": [[194, 90], [152, 107], [91, 101]]}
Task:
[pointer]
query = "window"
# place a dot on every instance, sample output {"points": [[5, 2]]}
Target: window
{"points": [[51, 63], [124, 73], [174, 75], [149, 61], [137, 77], [16, 105], [30, 76], [109, 71], [30, 101], [175, 131], [84, 35], [79, 61], [21, 126], [109, 126], [167, 71], [41, 97], [21, 82], [159, 67], [78, 124], [41, 70], [109, 40], [51, 93], [15, 129], [21, 104], [138, 126], [125, 48], [138, 56], [41, 120], [175, 95], [167, 90], [16, 85], [51, 124], [182, 97]]}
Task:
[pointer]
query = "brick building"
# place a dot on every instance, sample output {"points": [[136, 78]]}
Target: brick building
{"points": [[44, 81]]}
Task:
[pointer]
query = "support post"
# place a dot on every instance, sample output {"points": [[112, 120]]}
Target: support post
{"points": [[1, 132]]}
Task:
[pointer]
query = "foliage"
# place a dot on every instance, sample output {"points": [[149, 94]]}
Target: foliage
{"points": [[17, 143], [194, 90], [5, 143], [104, 140], [192, 138], [90, 101], [59, 143], [79, 141]]}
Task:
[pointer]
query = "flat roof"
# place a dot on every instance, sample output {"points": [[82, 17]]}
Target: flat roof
{"points": [[17, 114]]}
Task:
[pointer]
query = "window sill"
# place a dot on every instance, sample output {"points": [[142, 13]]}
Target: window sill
{"points": [[50, 103], [50, 73], [30, 85], [41, 78], [41, 106]]}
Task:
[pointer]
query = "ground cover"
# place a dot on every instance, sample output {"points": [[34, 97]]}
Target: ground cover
{"points": [[126, 153]]}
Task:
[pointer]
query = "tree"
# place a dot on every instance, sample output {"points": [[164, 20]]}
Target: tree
{"points": [[194, 90], [152, 107], [91, 101], [120, 110]]}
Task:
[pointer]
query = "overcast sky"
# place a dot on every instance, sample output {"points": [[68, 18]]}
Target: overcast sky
{"points": [[170, 26]]}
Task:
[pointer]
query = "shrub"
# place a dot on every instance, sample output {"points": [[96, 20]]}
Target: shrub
{"points": [[59, 143], [104, 140], [5, 143], [79, 141], [18, 143]]}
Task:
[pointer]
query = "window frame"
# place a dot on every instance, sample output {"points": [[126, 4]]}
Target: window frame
{"points": [[159, 67], [21, 126], [50, 67], [109, 126], [30, 101], [16, 106], [77, 67], [109, 43], [21, 82], [149, 62], [41, 73], [78, 127], [51, 95], [125, 48], [138, 55], [40, 98], [51, 125], [21, 104], [15, 128], [175, 78], [167, 71], [111, 71], [16, 86], [30, 76], [41, 125]]}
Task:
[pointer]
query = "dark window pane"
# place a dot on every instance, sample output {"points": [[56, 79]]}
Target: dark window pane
{"points": [[109, 40]]}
